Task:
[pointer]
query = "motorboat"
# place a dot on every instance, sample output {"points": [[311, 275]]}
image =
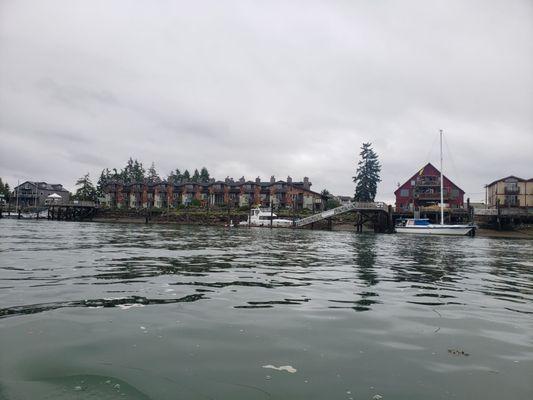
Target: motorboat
{"points": [[265, 217]]}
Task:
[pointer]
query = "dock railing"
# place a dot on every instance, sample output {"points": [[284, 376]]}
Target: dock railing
{"points": [[355, 206]]}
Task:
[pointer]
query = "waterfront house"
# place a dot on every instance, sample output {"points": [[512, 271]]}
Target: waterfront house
{"points": [[31, 194], [227, 193], [510, 191], [343, 200], [423, 190]]}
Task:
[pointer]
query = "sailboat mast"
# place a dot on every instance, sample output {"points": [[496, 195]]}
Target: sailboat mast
{"points": [[441, 184]]}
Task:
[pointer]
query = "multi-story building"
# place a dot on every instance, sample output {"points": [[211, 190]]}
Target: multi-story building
{"points": [[423, 190], [227, 193], [36, 193], [511, 191]]}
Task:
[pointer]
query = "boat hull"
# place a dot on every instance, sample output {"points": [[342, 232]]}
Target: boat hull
{"points": [[451, 230]]}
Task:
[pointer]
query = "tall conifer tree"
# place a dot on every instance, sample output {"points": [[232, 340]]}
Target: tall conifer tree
{"points": [[366, 177]]}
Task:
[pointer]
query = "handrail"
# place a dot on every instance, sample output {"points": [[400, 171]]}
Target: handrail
{"points": [[340, 210]]}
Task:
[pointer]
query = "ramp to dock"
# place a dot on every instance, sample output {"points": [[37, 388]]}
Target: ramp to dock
{"points": [[355, 206]]}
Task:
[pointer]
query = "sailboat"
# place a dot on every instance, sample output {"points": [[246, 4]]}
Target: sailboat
{"points": [[423, 225]]}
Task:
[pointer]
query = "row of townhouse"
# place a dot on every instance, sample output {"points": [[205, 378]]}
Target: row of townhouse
{"points": [[227, 193]]}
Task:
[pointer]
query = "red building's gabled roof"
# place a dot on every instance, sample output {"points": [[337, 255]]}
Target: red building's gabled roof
{"points": [[424, 171]]}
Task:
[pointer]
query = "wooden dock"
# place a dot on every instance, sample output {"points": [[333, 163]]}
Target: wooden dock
{"points": [[377, 213], [72, 212]]}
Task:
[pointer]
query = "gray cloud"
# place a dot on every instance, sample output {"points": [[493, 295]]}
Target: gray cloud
{"points": [[262, 88]]}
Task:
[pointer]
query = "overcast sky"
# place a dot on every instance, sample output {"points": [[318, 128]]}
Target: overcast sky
{"points": [[260, 88]]}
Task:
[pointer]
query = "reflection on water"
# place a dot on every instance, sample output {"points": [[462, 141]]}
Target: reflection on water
{"points": [[193, 312]]}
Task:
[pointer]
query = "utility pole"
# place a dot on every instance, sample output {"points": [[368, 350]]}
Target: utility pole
{"points": [[271, 213]]}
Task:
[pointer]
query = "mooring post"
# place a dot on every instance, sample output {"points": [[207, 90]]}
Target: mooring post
{"points": [[498, 217], [271, 213]]}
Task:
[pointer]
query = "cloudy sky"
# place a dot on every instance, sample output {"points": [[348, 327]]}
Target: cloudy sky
{"points": [[267, 88]]}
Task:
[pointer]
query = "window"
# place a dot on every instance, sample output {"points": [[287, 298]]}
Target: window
{"points": [[413, 182], [404, 193]]}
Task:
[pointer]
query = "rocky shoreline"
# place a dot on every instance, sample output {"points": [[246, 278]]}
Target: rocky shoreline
{"points": [[222, 219]]}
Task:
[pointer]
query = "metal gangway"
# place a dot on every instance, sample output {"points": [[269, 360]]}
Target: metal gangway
{"points": [[355, 206]]}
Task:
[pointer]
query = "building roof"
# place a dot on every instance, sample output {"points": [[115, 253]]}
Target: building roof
{"points": [[54, 187], [423, 169], [508, 177]]}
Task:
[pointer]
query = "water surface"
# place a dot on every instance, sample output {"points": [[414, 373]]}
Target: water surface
{"points": [[118, 311]]}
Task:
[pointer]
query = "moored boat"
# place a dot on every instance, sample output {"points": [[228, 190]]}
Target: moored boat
{"points": [[265, 217], [423, 225]]}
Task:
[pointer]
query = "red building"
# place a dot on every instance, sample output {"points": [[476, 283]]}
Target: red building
{"points": [[423, 190]]}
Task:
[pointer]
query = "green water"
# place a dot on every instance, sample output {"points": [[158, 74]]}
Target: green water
{"points": [[117, 311]]}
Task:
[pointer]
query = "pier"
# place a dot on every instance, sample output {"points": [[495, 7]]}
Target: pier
{"points": [[379, 213], [72, 212]]}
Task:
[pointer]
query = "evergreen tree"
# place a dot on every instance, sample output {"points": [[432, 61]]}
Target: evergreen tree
{"points": [[196, 176], [138, 171], [331, 201], [4, 190], [105, 177], [86, 191], [366, 178], [153, 176], [186, 177], [127, 172], [7, 192], [204, 175], [116, 175], [133, 171]]}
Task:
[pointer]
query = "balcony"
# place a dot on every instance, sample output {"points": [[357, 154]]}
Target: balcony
{"points": [[512, 190], [430, 196], [427, 181]]}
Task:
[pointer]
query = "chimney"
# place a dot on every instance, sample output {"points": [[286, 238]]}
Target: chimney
{"points": [[272, 179], [258, 180], [307, 184], [289, 179], [242, 180]]}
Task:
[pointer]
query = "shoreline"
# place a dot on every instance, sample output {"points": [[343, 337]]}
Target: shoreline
{"points": [[342, 227]]}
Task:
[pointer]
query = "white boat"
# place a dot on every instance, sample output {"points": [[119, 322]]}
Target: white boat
{"points": [[424, 227], [263, 217]]}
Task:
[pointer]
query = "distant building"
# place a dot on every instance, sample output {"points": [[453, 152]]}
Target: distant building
{"points": [[35, 193], [227, 193], [423, 190], [511, 191], [343, 200]]}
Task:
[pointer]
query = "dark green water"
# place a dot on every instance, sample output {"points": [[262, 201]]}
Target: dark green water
{"points": [[102, 311]]}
